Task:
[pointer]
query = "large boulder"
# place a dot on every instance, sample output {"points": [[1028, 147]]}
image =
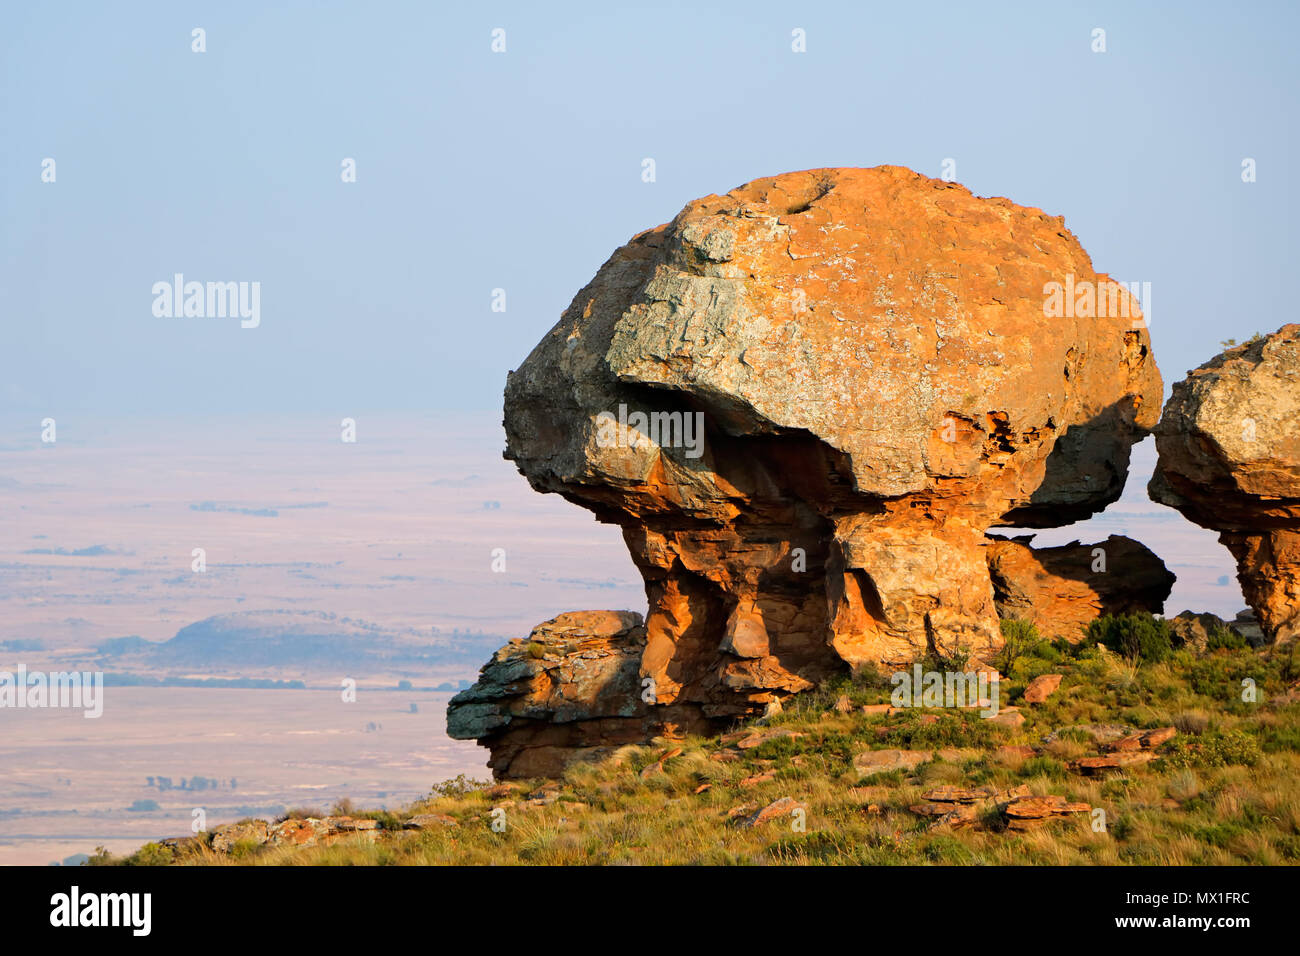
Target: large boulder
{"points": [[806, 400], [1061, 590], [1229, 459]]}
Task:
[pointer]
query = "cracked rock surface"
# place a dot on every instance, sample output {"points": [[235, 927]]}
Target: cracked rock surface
{"points": [[1229, 460], [804, 402]]}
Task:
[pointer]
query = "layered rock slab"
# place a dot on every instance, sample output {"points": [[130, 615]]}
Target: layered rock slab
{"points": [[571, 690], [1229, 460], [805, 402]]}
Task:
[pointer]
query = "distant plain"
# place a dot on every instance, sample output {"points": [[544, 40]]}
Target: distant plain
{"points": [[325, 560]]}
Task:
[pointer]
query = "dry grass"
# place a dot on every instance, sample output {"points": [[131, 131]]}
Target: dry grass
{"points": [[1225, 792]]}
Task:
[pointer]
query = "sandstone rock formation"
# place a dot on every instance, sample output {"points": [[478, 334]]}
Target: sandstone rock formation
{"points": [[306, 831], [571, 689], [1061, 590], [1229, 445], [1041, 688], [1020, 810], [1193, 630], [804, 402], [1246, 623]]}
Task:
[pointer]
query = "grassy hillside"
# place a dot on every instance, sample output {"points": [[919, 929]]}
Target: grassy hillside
{"points": [[1222, 790]]}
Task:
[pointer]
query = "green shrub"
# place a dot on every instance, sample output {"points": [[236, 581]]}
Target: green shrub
{"points": [[387, 820], [818, 846], [960, 729], [1289, 847], [1219, 676], [458, 786], [1139, 636], [151, 854], [101, 857], [1192, 722], [1289, 662], [945, 848], [1282, 739], [245, 848], [302, 813], [832, 746], [1225, 639], [869, 676], [1050, 651], [1220, 834], [778, 748], [1017, 637], [937, 660], [1042, 766], [1213, 749]]}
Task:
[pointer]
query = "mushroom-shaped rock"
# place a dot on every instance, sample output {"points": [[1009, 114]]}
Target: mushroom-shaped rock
{"points": [[1229, 460], [806, 400]]}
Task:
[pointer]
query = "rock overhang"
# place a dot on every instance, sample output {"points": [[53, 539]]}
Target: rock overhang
{"points": [[875, 365]]}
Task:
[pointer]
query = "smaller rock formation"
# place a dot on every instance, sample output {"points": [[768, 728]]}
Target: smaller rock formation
{"points": [[1007, 717], [1246, 623], [1123, 749], [1061, 590], [1120, 760], [871, 762], [1030, 812], [294, 832], [1229, 445], [782, 807], [571, 691], [1143, 740], [962, 806], [1193, 630], [250, 832]]}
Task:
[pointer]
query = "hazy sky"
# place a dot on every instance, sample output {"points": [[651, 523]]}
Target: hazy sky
{"points": [[522, 170]]}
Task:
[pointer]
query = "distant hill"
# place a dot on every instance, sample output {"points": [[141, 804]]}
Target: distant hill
{"points": [[302, 642]]}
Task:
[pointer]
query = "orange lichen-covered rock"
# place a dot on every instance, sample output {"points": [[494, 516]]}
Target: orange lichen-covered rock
{"points": [[806, 400], [1229, 445]]}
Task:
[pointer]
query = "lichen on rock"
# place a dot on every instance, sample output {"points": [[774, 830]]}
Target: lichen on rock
{"points": [[1229, 460], [805, 402]]}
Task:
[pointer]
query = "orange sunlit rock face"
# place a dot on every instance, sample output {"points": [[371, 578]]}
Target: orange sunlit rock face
{"points": [[880, 375], [1062, 590]]}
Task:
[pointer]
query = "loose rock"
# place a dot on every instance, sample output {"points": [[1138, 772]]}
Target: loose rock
{"points": [[1041, 688], [777, 808]]}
